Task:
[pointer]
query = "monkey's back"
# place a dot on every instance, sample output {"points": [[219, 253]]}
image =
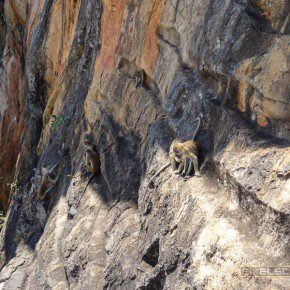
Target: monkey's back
{"points": [[44, 186], [93, 161], [190, 147]]}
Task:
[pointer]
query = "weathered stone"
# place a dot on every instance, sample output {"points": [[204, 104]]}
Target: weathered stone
{"points": [[68, 67]]}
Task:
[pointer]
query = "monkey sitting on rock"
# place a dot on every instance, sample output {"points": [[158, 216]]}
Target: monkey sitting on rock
{"points": [[92, 156], [183, 157], [139, 77], [46, 182], [91, 160]]}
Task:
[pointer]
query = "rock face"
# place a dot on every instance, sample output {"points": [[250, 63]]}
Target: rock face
{"points": [[70, 66]]}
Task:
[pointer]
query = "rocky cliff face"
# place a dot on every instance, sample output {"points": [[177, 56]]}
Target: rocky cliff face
{"points": [[70, 65]]}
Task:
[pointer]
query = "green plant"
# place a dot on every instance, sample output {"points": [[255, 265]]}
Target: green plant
{"points": [[58, 122]]}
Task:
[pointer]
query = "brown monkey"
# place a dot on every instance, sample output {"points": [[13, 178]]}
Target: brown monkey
{"points": [[46, 183], [91, 160], [92, 157]]}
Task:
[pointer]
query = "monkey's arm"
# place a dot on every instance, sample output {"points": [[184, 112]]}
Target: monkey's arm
{"points": [[174, 163], [182, 166], [185, 163], [157, 173]]}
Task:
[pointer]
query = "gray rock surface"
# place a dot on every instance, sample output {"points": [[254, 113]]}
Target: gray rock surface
{"points": [[74, 62]]}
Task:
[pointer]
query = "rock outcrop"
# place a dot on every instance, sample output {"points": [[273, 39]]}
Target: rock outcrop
{"points": [[68, 67]]}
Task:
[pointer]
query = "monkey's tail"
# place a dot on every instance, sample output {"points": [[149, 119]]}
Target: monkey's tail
{"points": [[157, 173], [197, 128], [52, 168], [86, 185]]}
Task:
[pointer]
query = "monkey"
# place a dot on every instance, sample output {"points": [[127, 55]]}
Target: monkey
{"points": [[35, 180], [187, 153], [139, 77], [46, 183], [91, 160], [130, 71], [91, 157], [126, 67], [183, 157]]}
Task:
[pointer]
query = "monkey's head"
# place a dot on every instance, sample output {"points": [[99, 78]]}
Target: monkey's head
{"points": [[48, 171], [177, 150], [119, 63], [140, 74], [45, 170], [88, 140]]}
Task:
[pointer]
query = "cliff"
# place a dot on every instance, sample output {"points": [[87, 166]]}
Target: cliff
{"points": [[69, 66]]}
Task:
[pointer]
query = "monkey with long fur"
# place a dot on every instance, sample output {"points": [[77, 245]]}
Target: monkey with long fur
{"points": [[183, 157]]}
